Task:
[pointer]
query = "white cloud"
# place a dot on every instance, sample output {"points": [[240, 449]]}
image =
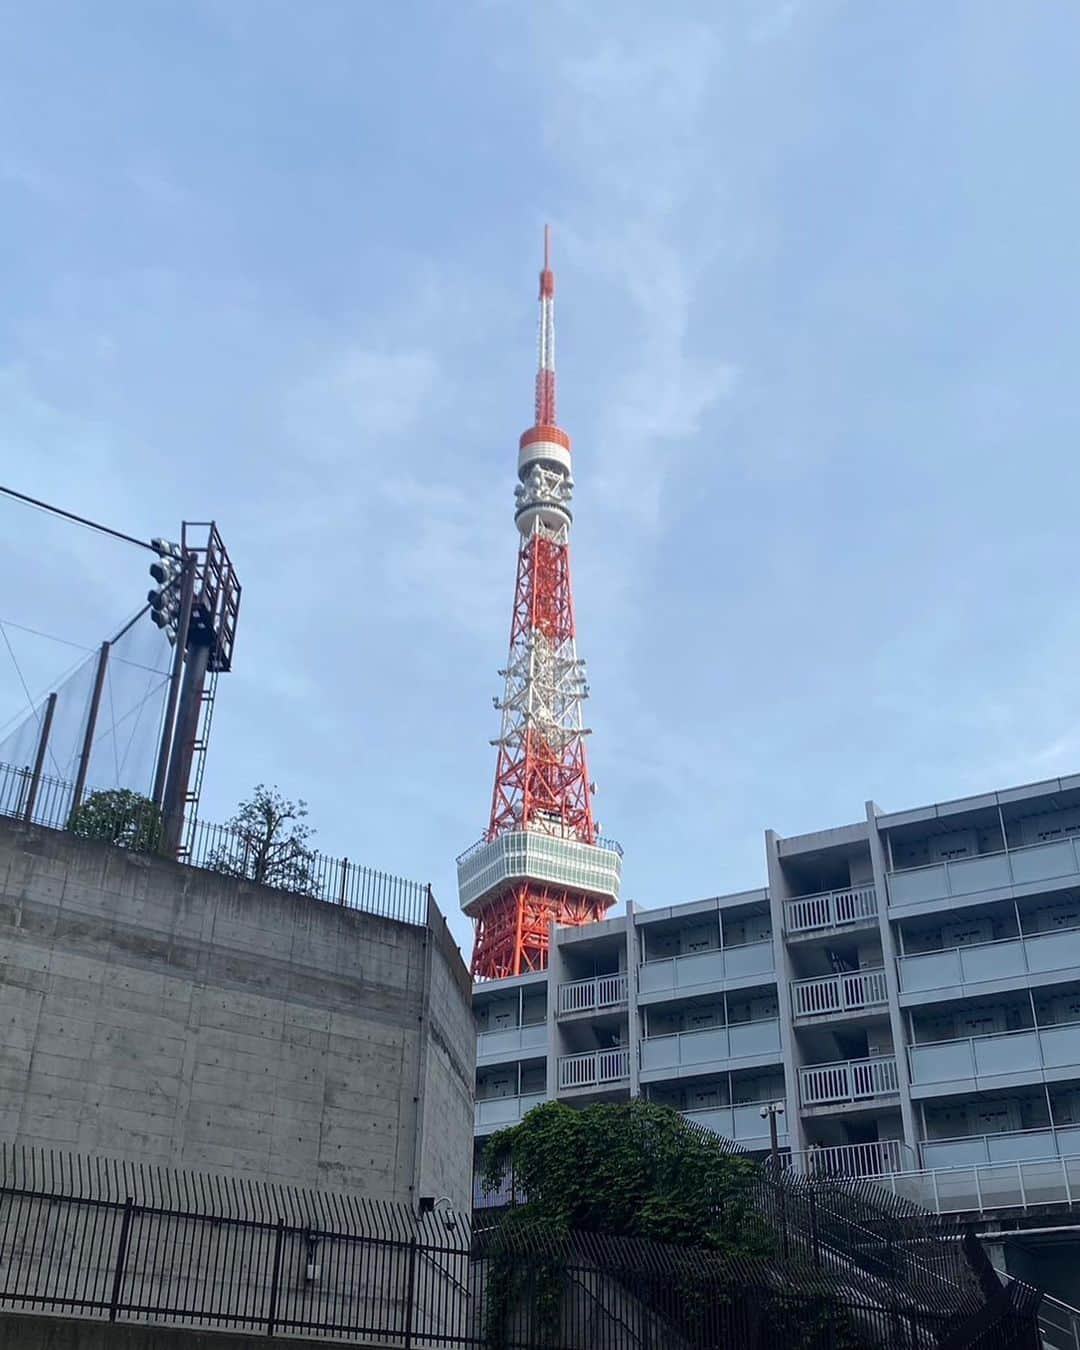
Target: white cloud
{"points": [[362, 399], [631, 120]]}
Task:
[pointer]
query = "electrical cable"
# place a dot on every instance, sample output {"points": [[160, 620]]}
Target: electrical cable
{"points": [[78, 520]]}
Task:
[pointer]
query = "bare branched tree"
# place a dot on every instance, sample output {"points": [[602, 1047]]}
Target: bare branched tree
{"points": [[269, 843]]}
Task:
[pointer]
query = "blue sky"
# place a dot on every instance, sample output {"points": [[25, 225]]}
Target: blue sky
{"points": [[817, 316]]}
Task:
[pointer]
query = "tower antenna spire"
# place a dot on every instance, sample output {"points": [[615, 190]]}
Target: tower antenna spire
{"points": [[541, 860], [546, 413]]}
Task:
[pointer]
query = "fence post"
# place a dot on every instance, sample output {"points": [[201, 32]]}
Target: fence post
{"points": [[121, 1257], [813, 1227], [275, 1277], [344, 879], [410, 1294]]}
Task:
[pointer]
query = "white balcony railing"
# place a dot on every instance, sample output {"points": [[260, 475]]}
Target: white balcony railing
{"points": [[874, 1159], [1006, 1053], [1004, 1146], [740, 1041], [831, 909], [697, 970], [849, 992], [512, 1042], [594, 1068], [1057, 860], [849, 1080], [493, 1113], [602, 991], [742, 1123], [978, 962]]}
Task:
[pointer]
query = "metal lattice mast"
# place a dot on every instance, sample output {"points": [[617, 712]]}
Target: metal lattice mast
{"points": [[541, 829]]}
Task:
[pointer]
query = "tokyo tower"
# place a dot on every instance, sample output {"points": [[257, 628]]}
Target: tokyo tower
{"points": [[541, 859]]}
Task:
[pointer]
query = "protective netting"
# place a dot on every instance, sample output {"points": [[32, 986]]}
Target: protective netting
{"points": [[130, 711]]}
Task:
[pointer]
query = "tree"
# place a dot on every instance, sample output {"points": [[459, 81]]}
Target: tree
{"points": [[267, 842], [633, 1169], [120, 817]]}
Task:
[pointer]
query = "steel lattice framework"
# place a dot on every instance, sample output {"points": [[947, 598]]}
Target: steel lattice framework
{"points": [[542, 781]]}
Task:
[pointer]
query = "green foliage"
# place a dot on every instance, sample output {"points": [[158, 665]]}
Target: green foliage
{"points": [[628, 1170], [632, 1170], [268, 843], [120, 817]]}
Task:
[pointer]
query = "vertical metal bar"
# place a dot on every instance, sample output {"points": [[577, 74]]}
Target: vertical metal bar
{"points": [[39, 759], [344, 880], [91, 726], [275, 1277], [187, 599], [410, 1294], [121, 1258]]}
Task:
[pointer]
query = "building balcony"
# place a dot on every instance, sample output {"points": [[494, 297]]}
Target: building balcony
{"points": [[506, 1043], [1009, 1146], [849, 1080], [743, 1123], [1027, 869], [980, 1188], [721, 1046], [598, 994], [495, 1113], [695, 971], [975, 1063], [487, 868], [874, 1159], [853, 991], [594, 1068], [832, 909], [960, 970]]}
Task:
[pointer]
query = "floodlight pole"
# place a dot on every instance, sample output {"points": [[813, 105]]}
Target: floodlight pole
{"points": [[187, 598]]}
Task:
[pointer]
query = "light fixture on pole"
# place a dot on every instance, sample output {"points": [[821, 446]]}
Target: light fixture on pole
{"points": [[164, 599], [769, 1111]]}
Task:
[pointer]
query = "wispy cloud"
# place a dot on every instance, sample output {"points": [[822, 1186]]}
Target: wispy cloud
{"points": [[360, 400], [630, 120]]}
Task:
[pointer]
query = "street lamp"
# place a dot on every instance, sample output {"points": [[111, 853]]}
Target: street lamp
{"points": [[770, 1111]]}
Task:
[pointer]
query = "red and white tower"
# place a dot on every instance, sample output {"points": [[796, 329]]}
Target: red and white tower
{"points": [[541, 859]]}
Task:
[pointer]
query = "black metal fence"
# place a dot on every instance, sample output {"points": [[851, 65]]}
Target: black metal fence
{"points": [[412, 1285], [128, 1242], [49, 802]]}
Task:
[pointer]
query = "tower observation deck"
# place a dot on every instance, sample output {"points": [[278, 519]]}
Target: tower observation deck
{"points": [[541, 858]]}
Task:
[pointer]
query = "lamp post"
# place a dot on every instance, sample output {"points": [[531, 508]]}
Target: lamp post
{"points": [[769, 1112]]}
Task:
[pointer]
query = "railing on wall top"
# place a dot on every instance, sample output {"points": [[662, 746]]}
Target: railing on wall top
{"points": [[594, 1067], [848, 992], [830, 909], [217, 848], [595, 994], [849, 1080]]}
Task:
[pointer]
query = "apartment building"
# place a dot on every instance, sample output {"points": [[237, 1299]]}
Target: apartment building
{"points": [[907, 985]]}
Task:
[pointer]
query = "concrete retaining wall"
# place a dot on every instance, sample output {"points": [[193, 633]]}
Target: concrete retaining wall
{"points": [[164, 1013]]}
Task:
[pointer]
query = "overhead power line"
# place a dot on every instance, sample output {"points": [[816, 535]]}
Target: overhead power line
{"points": [[78, 520]]}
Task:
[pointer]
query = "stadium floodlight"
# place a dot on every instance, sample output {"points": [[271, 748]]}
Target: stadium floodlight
{"points": [[164, 600]]}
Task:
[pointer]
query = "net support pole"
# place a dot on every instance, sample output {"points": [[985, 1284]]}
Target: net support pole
{"points": [[91, 726], [39, 759]]}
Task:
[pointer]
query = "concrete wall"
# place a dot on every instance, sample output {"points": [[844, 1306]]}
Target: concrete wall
{"points": [[154, 1011]]}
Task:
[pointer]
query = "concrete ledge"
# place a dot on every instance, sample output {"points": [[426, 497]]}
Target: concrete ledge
{"points": [[29, 1331]]}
